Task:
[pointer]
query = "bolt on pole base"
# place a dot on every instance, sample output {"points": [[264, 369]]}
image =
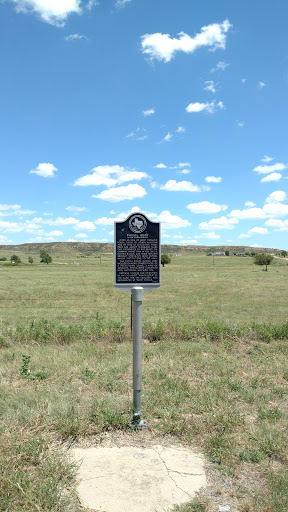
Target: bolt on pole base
{"points": [[137, 424]]}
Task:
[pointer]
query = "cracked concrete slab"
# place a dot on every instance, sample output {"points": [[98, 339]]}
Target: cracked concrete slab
{"points": [[124, 478]]}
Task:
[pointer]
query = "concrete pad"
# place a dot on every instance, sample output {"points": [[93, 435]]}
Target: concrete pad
{"points": [[126, 478]]}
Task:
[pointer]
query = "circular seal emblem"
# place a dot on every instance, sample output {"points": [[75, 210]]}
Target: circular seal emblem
{"points": [[137, 223]]}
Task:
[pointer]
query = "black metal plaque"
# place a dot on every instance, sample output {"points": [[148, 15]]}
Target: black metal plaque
{"points": [[137, 253]]}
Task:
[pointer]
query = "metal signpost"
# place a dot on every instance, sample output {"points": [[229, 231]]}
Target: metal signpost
{"points": [[137, 270]]}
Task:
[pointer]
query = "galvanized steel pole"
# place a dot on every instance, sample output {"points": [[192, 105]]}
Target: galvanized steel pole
{"points": [[137, 299]]}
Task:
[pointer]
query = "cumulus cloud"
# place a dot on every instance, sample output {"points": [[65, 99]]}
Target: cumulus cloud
{"points": [[81, 235], [114, 195], [148, 112], [220, 223], [220, 66], [54, 12], [269, 210], [69, 221], [75, 37], [170, 221], [266, 169], [160, 166], [211, 235], [274, 176], [45, 170], [249, 204], [185, 186], [55, 233], [276, 197], [258, 231], [189, 242], [206, 207], [267, 159], [213, 179], [211, 107], [109, 175], [86, 225], [281, 225], [163, 47], [210, 86]]}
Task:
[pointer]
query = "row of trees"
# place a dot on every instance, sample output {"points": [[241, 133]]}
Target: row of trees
{"points": [[44, 258]]}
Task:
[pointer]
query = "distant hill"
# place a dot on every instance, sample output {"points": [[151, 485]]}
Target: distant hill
{"points": [[78, 249]]}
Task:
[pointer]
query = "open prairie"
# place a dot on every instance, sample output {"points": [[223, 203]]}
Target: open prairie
{"points": [[195, 287], [215, 375]]}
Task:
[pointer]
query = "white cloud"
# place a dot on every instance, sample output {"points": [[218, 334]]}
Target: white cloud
{"points": [[258, 231], [55, 233], [122, 3], [160, 166], [256, 245], [220, 66], [109, 175], [76, 209], [92, 3], [181, 129], [244, 80], [178, 237], [167, 137], [54, 12], [188, 242], [86, 225], [210, 86], [282, 225], [71, 240], [268, 211], [220, 223], [209, 235], [244, 235], [267, 159], [148, 112], [183, 164], [185, 186], [163, 46], [114, 195], [5, 240], [266, 169], [261, 85], [276, 197], [69, 221], [45, 170], [240, 123], [275, 176], [81, 235], [5, 207], [213, 179], [249, 204], [170, 221], [202, 107], [184, 171], [75, 37], [206, 207]]}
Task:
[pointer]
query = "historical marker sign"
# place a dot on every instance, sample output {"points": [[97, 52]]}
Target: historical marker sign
{"points": [[137, 253]]}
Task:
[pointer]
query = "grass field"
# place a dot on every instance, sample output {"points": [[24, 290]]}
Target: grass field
{"points": [[215, 375]]}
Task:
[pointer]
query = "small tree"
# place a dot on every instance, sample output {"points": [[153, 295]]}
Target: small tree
{"points": [[30, 260], [227, 253], [14, 258], [263, 259], [165, 259], [45, 257], [284, 254]]}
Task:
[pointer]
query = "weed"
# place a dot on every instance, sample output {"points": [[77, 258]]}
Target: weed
{"points": [[24, 369], [88, 375], [251, 455], [273, 413], [197, 505]]}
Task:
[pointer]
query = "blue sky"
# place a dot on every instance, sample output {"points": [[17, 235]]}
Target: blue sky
{"points": [[175, 108]]}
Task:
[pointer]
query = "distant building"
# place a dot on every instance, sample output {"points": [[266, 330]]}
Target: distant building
{"points": [[218, 254]]}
